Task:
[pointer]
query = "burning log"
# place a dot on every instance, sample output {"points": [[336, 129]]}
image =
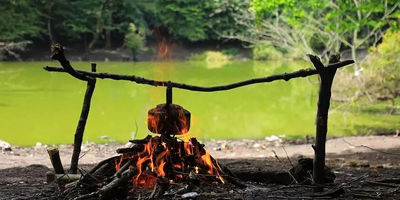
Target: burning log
{"points": [[161, 161], [135, 148], [142, 141]]}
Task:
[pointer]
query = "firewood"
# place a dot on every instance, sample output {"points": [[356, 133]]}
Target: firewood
{"points": [[55, 160], [133, 149], [123, 168], [68, 177], [160, 188], [142, 141], [107, 190], [103, 162]]}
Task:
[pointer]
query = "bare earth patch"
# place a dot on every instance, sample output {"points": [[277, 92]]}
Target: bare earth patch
{"points": [[365, 167]]}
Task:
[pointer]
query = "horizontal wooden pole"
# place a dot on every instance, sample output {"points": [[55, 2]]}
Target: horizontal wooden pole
{"points": [[141, 80]]}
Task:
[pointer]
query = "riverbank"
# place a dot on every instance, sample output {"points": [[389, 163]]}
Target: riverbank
{"points": [[176, 52], [357, 162], [16, 156]]}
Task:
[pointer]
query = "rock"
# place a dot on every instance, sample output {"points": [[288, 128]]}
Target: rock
{"points": [[274, 140], [5, 145], [190, 195], [7, 149], [217, 148], [225, 146]]}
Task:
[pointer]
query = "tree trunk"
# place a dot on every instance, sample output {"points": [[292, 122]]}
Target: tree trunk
{"points": [[99, 26], [354, 45], [49, 31], [108, 32]]}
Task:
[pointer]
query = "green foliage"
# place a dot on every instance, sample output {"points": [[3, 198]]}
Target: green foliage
{"points": [[230, 51], [141, 13], [211, 56], [383, 78], [329, 25], [266, 52], [19, 20], [211, 59], [76, 18], [222, 17], [299, 26], [185, 19], [195, 20], [294, 12], [135, 40]]}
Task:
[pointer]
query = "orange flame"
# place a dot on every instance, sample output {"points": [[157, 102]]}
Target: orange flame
{"points": [[156, 160]]}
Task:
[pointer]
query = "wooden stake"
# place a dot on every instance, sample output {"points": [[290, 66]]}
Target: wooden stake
{"points": [[80, 129], [55, 160], [327, 75]]}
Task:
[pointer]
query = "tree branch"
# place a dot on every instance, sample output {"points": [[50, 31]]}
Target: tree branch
{"points": [[141, 80], [57, 53]]}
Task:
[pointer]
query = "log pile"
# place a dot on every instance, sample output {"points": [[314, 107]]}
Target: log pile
{"points": [[154, 166]]}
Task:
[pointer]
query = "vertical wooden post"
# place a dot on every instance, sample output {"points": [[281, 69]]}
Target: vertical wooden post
{"points": [[55, 160], [91, 83], [327, 75]]}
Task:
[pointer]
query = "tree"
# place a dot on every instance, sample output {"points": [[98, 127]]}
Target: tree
{"points": [[383, 78], [361, 23], [279, 23], [135, 40], [19, 21], [323, 26], [222, 17], [186, 19], [19, 24]]}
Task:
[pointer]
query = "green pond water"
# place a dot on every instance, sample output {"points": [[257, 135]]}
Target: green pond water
{"points": [[39, 106]]}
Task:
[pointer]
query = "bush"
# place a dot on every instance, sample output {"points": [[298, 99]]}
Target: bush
{"points": [[266, 52], [135, 40], [383, 72], [213, 59], [210, 56]]}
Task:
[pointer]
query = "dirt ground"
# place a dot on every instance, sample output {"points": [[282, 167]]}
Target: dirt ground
{"points": [[365, 168]]}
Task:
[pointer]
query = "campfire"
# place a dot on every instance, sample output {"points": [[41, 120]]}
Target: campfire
{"points": [[163, 161], [166, 155], [155, 162]]}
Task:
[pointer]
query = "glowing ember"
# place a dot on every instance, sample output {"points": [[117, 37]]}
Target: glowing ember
{"points": [[171, 158]]}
